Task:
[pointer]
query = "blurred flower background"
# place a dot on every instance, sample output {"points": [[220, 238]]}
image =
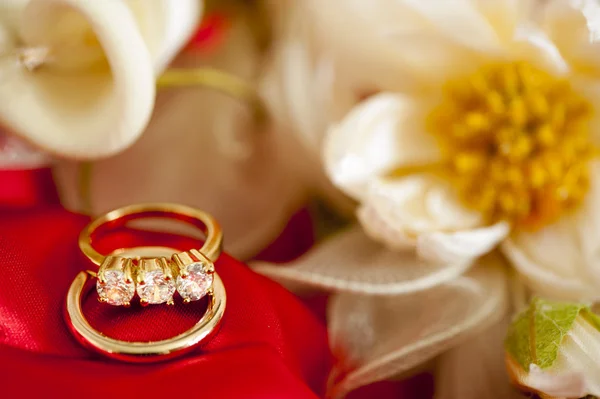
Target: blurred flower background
{"points": [[446, 152]]}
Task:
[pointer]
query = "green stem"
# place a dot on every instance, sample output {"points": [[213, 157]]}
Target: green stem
{"points": [[215, 79]]}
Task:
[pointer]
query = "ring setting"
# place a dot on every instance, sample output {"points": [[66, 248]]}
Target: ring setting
{"points": [[115, 282], [155, 282], [154, 279], [195, 275]]}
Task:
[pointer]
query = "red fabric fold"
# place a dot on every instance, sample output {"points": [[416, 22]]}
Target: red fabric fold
{"points": [[25, 188], [269, 346]]}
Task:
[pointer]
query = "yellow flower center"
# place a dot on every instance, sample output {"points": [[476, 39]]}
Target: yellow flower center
{"points": [[517, 144]]}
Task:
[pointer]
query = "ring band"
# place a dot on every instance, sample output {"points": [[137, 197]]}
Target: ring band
{"points": [[192, 270], [119, 217]]}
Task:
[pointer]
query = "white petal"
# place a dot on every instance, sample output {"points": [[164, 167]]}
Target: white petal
{"points": [[460, 20], [542, 280], [166, 26], [351, 262], [581, 352], [461, 245], [565, 385], [412, 39], [574, 26], [534, 45], [424, 213], [76, 105], [419, 203], [563, 259], [378, 135], [432, 59], [377, 338], [588, 227], [505, 16]]}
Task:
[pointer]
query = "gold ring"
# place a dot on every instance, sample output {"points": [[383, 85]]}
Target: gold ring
{"points": [[155, 279]]}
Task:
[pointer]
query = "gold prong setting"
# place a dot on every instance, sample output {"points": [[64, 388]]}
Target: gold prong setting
{"points": [[155, 284], [195, 277], [155, 280], [115, 284]]}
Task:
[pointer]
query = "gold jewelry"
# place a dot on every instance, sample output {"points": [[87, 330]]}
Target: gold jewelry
{"points": [[155, 278]]}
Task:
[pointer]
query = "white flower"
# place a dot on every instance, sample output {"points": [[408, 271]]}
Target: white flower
{"points": [[489, 129], [78, 77]]}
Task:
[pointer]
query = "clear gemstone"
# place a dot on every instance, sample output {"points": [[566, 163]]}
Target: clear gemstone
{"points": [[116, 290], [156, 288], [196, 283]]}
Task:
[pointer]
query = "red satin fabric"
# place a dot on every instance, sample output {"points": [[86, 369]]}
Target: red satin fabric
{"points": [[25, 188], [269, 345]]}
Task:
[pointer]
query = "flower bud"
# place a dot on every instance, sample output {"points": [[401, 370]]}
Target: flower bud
{"points": [[553, 350]]}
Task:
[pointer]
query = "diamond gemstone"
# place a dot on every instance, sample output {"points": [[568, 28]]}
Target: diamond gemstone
{"points": [[116, 290], [196, 283], [156, 288]]}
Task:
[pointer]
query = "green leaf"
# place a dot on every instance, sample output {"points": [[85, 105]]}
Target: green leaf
{"points": [[536, 334], [517, 342]]}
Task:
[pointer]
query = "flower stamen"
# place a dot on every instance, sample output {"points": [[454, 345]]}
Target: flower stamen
{"points": [[516, 143]]}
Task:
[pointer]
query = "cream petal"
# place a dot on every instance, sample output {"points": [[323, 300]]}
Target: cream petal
{"points": [[369, 57], [574, 26], [505, 16], [380, 230], [377, 338], [411, 39], [565, 385], [588, 227], [460, 20], [531, 43], [10, 13], [543, 281], [351, 262], [378, 135], [563, 260], [419, 203], [458, 246], [75, 105], [166, 26], [422, 212], [432, 59]]}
